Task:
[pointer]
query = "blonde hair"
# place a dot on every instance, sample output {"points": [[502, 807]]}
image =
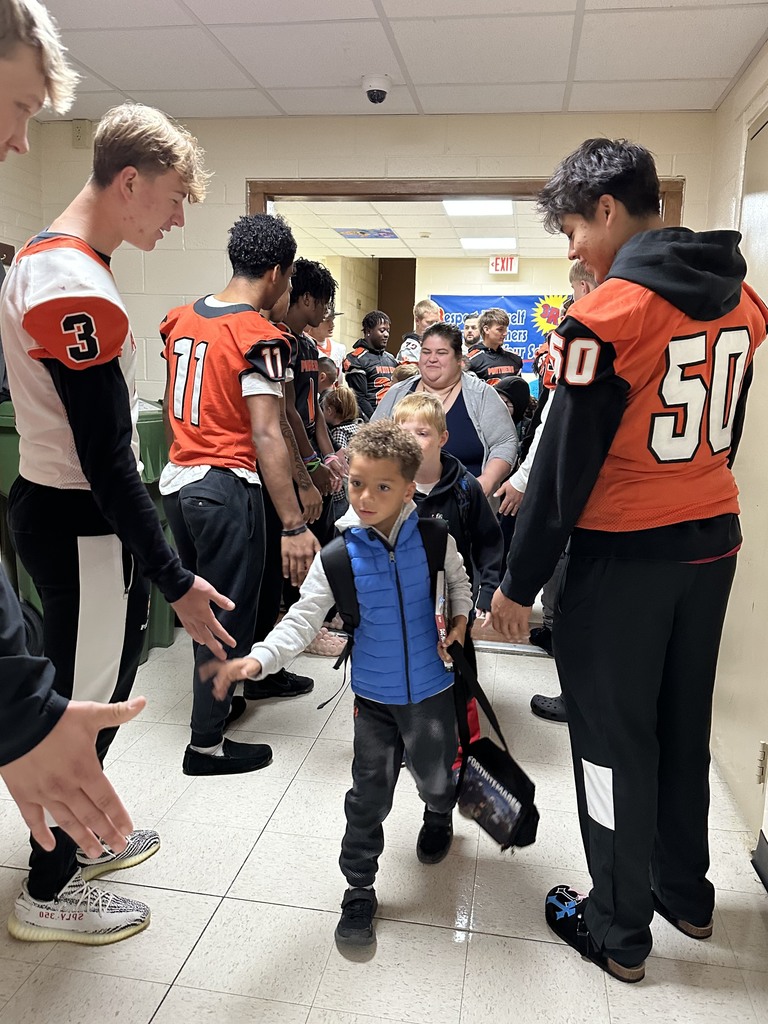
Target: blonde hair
{"points": [[427, 408], [423, 307], [133, 135], [386, 440], [579, 272], [343, 402], [28, 23], [403, 371], [494, 315]]}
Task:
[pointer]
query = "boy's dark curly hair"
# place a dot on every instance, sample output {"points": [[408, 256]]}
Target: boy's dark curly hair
{"points": [[384, 439], [373, 319], [259, 243], [614, 167], [313, 279]]}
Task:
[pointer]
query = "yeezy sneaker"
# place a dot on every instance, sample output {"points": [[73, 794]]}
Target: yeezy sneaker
{"points": [[141, 845], [80, 913], [355, 927]]}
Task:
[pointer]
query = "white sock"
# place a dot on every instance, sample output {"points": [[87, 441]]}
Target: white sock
{"points": [[351, 887], [217, 750]]}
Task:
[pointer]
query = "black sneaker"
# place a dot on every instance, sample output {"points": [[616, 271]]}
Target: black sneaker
{"points": [[541, 637], [551, 709], [355, 927], [435, 837], [279, 684], [236, 759], [564, 911]]}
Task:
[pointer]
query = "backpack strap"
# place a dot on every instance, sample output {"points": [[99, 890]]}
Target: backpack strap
{"points": [[434, 537], [338, 571]]}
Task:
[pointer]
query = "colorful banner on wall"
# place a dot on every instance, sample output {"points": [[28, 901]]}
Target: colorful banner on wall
{"points": [[531, 317]]}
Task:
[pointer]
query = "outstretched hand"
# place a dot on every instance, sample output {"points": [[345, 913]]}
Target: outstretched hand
{"points": [[62, 774], [196, 616], [222, 676]]}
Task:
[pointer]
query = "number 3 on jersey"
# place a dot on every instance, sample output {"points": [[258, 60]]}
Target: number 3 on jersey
{"points": [[676, 436], [183, 350]]}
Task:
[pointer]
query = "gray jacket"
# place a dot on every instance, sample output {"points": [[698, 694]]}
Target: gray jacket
{"points": [[488, 413]]}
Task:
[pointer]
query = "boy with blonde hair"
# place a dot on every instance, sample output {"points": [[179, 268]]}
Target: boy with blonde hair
{"points": [[426, 313], [80, 516], [404, 704]]}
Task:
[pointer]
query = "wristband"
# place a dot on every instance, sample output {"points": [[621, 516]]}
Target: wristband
{"points": [[306, 459], [327, 458], [295, 532], [312, 466]]}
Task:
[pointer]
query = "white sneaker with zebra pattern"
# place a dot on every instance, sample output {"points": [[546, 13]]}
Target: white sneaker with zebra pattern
{"points": [[142, 844]]}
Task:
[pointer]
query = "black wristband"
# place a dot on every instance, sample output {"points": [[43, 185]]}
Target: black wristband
{"points": [[295, 532]]}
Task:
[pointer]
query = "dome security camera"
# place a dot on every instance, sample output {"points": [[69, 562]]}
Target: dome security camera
{"points": [[376, 87]]}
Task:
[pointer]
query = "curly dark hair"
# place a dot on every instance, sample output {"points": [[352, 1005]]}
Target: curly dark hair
{"points": [[614, 167], [373, 319], [259, 243], [313, 279], [384, 439], [448, 332]]}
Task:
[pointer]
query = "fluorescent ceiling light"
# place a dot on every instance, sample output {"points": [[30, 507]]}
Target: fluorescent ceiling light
{"points": [[478, 207], [495, 244]]}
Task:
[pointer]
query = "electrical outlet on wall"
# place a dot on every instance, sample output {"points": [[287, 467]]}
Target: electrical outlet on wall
{"points": [[82, 133]]}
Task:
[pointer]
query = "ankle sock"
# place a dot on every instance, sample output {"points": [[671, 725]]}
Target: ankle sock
{"points": [[217, 750]]}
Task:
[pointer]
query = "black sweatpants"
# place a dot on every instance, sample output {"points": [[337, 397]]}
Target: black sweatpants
{"points": [[427, 734], [636, 645], [218, 526], [95, 608]]}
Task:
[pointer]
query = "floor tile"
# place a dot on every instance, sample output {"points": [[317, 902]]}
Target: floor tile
{"points": [[195, 1005], [288, 752], [757, 986], [681, 993], [235, 801], [71, 997], [263, 951], [671, 944], [731, 861], [13, 974], [126, 736], [320, 1016], [147, 790], [328, 761], [194, 857], [156, 954], [513, 980], [11, 949], [414, 975], [13, 832], [745, 917], [558, 844], [509, 896]]}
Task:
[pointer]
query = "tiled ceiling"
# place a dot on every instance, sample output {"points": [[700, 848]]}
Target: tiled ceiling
{"points": [[422, 229], [245, 58]]}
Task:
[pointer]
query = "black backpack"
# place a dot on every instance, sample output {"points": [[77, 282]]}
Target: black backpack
{"points": [[338, 571]]}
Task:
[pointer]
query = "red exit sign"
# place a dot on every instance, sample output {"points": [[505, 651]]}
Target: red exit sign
{"points": [[502, 264]]}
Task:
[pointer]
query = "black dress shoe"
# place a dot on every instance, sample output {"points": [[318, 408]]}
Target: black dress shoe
{"points": [[279, 684], [236, 759]]}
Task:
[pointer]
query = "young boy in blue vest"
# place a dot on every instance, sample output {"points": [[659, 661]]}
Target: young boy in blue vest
{"points": [[400, 672]]}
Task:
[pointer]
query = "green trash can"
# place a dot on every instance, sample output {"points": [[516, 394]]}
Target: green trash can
{"points": [[154, 455]]}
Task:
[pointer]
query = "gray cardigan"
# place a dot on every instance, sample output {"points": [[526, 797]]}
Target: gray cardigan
{"points": [[488, 413]]}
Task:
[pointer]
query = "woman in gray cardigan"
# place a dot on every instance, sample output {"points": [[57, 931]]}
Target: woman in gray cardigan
{"points": [[481, 433]]}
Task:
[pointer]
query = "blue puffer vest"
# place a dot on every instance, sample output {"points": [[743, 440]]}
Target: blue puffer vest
{"points": [[394, 656]]}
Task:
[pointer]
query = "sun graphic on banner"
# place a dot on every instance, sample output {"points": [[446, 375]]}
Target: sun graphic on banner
{"points": [[546, 312]]}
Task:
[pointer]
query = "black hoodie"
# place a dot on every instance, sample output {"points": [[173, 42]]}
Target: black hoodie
{"points": [[368, 371], [631, 413], [458, 498]]}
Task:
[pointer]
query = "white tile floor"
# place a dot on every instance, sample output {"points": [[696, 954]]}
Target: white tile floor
{"points": [[245, 892]]}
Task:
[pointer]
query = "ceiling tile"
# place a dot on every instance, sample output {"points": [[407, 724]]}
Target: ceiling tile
{"points": [[74, 14], [483, 99], [723, 40], [693, 94], [90, 83], [211, 103], [321, 55], [339, 206], [458, 8], [414, 209], [170, 58], [290, 12], [486, 50], [603, 5], [90, 106], [349, 100]]}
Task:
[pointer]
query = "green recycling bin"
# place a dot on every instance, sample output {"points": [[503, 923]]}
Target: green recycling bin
{"points": [[154, 455]]}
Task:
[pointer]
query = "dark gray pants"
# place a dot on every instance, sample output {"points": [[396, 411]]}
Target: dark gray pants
{"points": [[427, 734], [636, 645], [218, 526]]}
